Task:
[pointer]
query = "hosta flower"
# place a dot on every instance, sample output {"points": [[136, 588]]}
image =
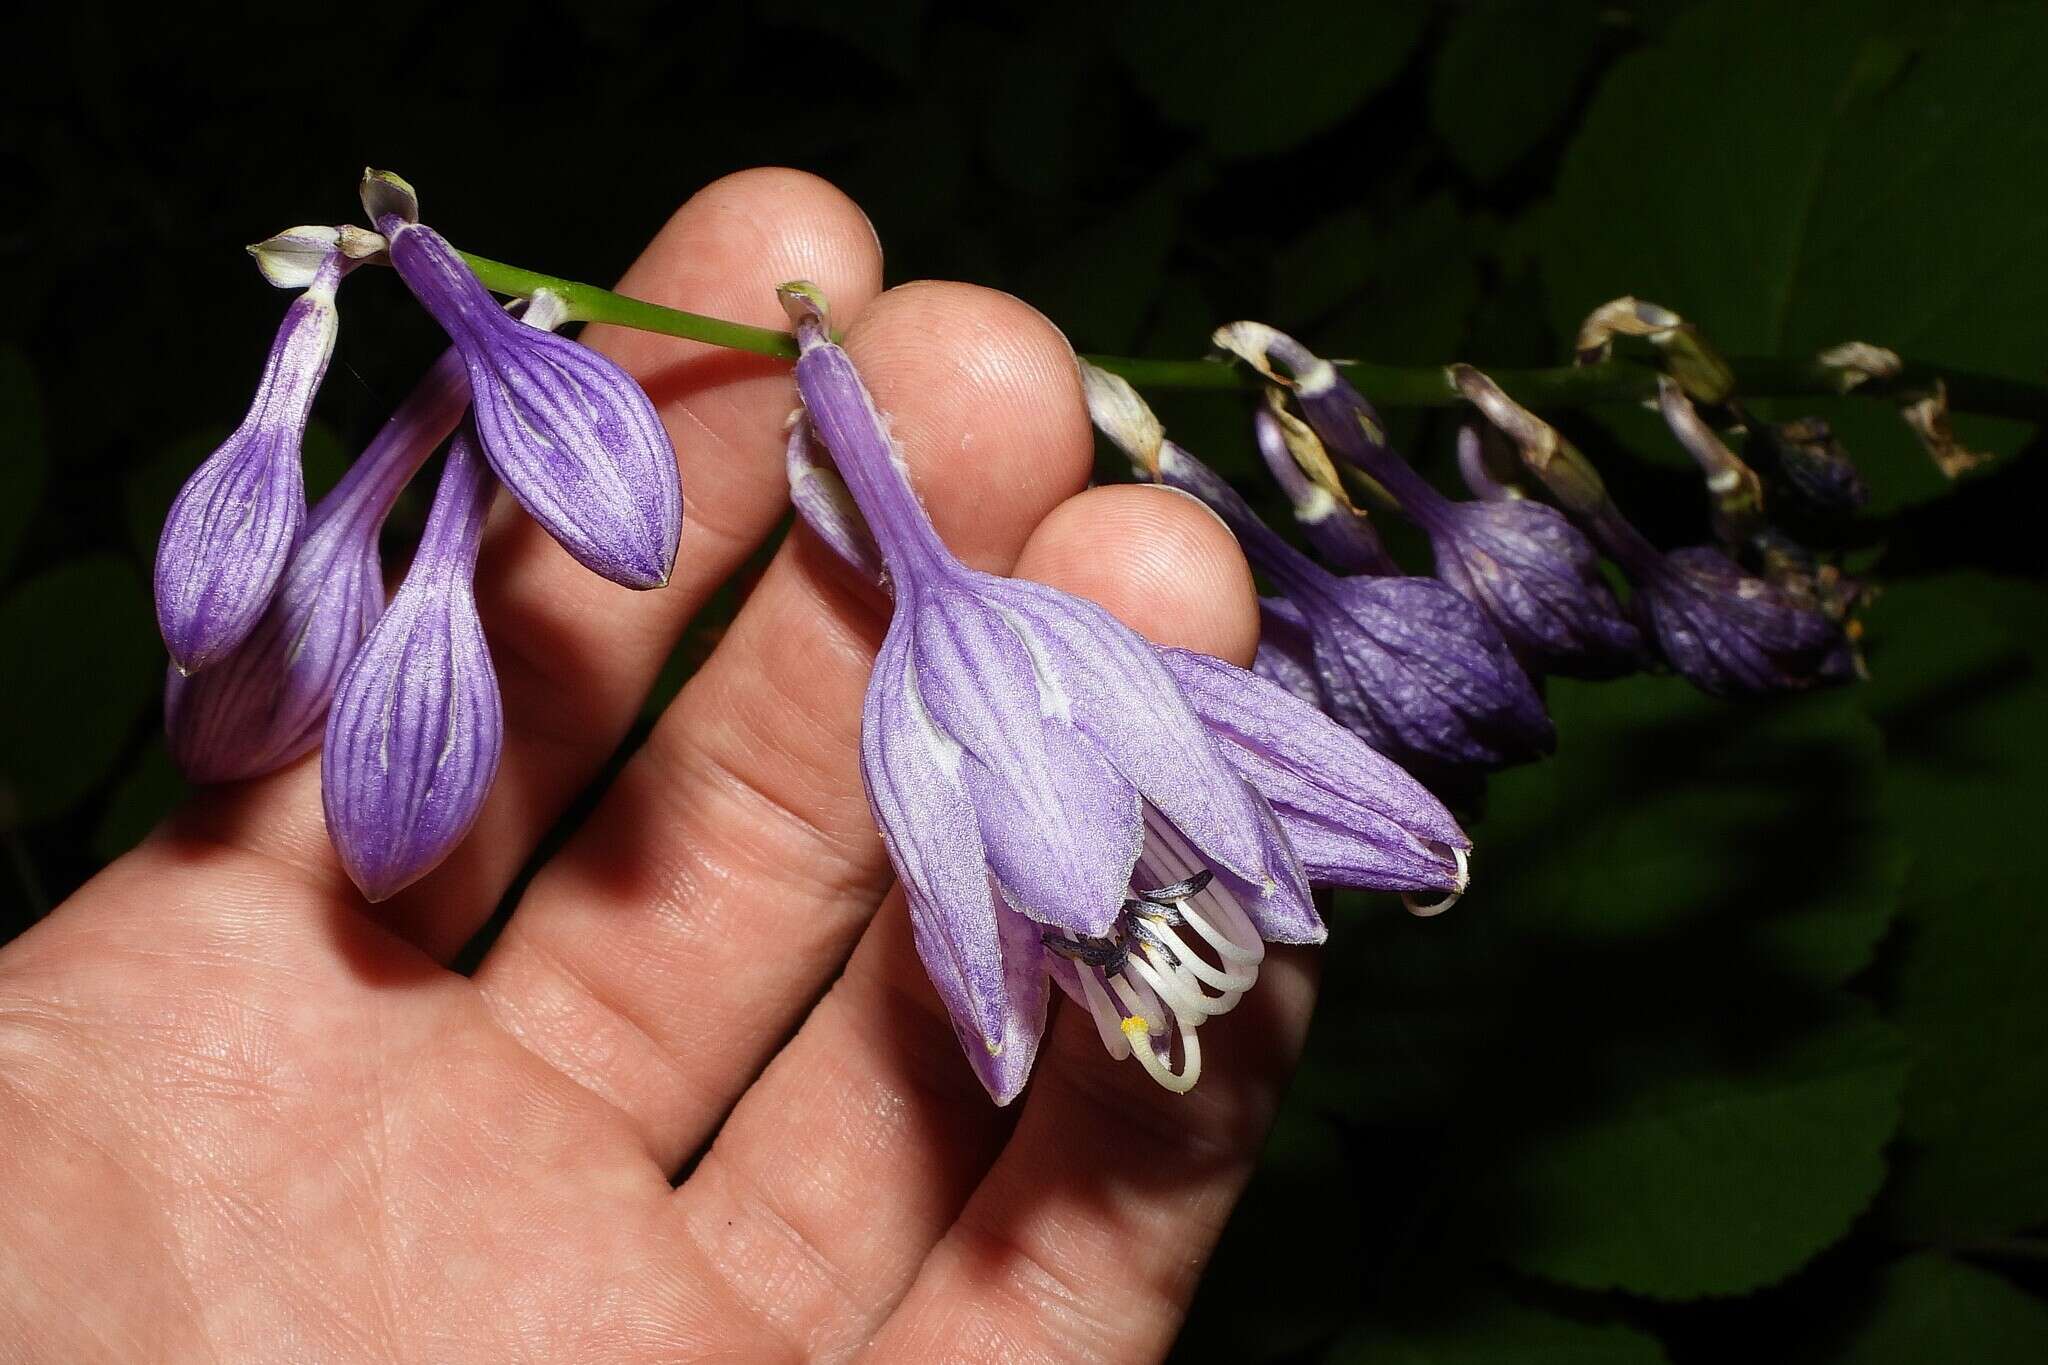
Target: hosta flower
{"points": [[1406, 663], [265, 702], [234, 525], [567, 431], [1729, 632], [1520, 562], [1354, 818], [1051, 801], [415, 730]]}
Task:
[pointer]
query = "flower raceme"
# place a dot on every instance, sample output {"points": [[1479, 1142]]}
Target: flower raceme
{"points": [[1053, 803]]}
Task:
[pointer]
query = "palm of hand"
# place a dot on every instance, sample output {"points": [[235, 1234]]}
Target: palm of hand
{"points": [[243, 1116]]}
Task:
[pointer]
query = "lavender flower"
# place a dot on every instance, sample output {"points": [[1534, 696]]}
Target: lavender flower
{"points": [[568, 431], [1410, 666], [416, 726], [236, 521], [1051, 802], [1521, 563], [265, 702], [1354, 818]]}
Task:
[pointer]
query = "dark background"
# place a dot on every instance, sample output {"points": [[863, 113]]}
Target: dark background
{"points": [[1737, 1048]]}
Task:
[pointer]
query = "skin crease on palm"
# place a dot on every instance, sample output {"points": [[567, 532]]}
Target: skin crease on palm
{"points": [[244, 1116]]}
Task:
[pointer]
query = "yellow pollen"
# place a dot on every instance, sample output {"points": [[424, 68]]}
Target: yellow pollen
{"points": [[1135, 1025]]}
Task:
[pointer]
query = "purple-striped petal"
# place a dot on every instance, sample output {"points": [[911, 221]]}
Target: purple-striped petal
{"points": [[568, 431], [416, 727], [265, 702], [234, 525]]}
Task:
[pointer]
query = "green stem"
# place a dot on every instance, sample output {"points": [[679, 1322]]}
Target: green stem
{"points": [[1394, 386], [588, 303]]}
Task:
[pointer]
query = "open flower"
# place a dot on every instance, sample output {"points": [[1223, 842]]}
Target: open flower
{"points": [[1354, 818], [416, 727], [265, 702], [1520, 562], [569, 432], [1051, 801], [236, 521]]}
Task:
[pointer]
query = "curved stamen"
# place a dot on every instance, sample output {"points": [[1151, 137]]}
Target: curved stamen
{"points": [[1424, 909]]}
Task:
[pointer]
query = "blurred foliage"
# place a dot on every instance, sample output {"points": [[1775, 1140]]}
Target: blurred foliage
{"points": [[1739, 1038]]}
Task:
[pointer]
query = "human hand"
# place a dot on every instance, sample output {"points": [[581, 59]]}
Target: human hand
{"points": [[245, 1116]]}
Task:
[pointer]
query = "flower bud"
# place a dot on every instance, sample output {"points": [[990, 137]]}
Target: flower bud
{"points": [[568, 431], [265, 702], [1338, 531], [415, 731], [1812, 464], [234, 525]]}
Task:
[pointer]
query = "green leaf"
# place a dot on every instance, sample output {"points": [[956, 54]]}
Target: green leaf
{"points": [[1260, 79], [1928, 1308], [1959, 685], [1752, 832], [22, 457], [1507, 74], [81, 666], [139, 801], [1497, 1332], [1712, 1174], [1833, 182], [1976, 1120]]}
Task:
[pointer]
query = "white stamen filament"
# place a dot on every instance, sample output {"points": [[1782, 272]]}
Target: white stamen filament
{"points": [[1165, 984], [1424, 909]]}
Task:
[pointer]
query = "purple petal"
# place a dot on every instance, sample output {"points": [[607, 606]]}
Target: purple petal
{"points": [[1122, 698], [568, 431], [265, 702], [1060, 827], [1730, 633], [1354, 817], [1286, 656], [235, 523], [821, 498], [415, 731], [1539, 579], [977, 962]]}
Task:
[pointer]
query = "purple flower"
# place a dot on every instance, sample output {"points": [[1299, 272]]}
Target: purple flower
{"points": [[1050, 800], [1354, 818], [265, 702], [1407, 664], [237, 520], [1521, 563], [567, 431], [1726, 631], [1729, 632], [416, 726]]}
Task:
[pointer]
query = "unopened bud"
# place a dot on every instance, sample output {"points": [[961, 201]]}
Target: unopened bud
{"points": [[387, 195], [1857, 362], [1125, 418], [292, 259], [1734, 492]]}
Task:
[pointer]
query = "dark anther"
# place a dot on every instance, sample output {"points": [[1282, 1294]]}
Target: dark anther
{"points": [[1179, 891], [1106, 955]]}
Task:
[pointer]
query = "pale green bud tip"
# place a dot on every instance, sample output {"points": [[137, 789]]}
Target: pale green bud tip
{"points": [[803, 301], [1121, 415], [292, 258], [387, 194]]}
